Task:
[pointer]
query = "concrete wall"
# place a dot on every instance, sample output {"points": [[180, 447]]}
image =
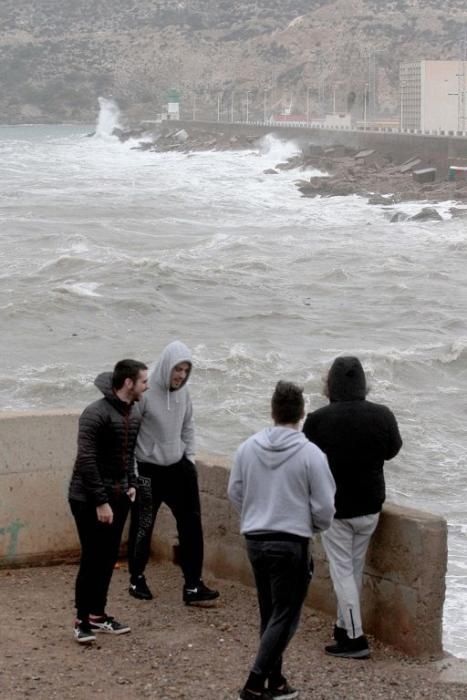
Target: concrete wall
{"points": [[434, 150], [405, 574]]}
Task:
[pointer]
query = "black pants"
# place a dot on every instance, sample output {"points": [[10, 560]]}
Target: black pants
{"points": [[100, 545], [177, 486], [282, 574]]}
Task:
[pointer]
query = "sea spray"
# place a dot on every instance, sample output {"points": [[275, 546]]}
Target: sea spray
{"points": [[108, 119]]}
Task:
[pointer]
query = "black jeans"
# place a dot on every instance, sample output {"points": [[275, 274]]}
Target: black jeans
{"points": [[100, 545], [282, 573], [177, 486]]}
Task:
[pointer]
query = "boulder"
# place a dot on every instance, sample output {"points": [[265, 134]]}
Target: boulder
{"points": [[427, 214], [398, 216], [341, 189], [126, 134], [424, 175], [381, 200], [291, 163], [181, 136], [270, 171], [458, 213]]}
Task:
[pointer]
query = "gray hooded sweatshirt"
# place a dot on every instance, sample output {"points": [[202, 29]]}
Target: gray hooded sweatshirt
{"points": [[167, 430], [280, 482]]}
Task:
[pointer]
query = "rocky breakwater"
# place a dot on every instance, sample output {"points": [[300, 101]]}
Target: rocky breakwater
{"points": [[341, 170], [169, 137], [345, 171]]}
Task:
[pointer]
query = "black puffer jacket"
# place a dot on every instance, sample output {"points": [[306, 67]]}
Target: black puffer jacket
{"points": [[357, 436], [107, 433]]}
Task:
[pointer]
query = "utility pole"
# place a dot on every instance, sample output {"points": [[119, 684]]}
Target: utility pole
{"points": [[218, 108], [247, 104], [194, 106], [264, 104], [308, 106], [232, 107]]}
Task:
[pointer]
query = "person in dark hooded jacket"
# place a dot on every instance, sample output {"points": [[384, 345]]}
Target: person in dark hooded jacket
{"points": [[102, 486], [357, 436]]}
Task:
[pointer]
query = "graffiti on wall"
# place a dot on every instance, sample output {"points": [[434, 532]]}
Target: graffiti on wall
{"points": [[11, 531]]}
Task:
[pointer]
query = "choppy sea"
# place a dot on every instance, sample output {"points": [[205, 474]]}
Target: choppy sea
{"points": [[109, 252]]}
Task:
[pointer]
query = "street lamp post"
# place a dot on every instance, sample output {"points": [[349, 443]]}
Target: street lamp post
{"points": [[402, 96], [334, 98], [364, 105]]}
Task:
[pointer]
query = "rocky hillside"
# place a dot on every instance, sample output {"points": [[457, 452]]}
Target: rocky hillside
{"points": [[58, 56]]}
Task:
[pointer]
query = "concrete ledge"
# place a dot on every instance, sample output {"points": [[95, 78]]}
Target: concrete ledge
{"points": [[404, 583]]}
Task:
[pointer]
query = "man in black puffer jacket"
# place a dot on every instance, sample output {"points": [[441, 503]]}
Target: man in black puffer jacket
{"points": [[102, 486], [357, 437]]}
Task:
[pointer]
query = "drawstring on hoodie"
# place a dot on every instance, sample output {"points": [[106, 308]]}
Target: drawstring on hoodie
{"points": [[177, 398]]}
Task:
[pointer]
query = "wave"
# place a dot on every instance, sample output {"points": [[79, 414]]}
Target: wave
{"points": [[109, 118], [276, 150], [80, 289]]}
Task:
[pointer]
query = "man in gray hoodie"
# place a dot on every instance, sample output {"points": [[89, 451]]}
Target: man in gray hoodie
{"points": [[165, 454], [284, 491]]}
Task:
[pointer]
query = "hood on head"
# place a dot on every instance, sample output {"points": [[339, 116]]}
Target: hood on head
{"points": [[172, 355], [274, 446], [346, 380], [103, 381]]}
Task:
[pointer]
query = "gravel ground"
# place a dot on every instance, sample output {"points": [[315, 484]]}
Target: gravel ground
{"points": [[176, 651]]}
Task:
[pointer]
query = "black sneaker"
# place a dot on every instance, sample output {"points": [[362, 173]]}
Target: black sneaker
{"points": [[246, 694], [340, 634], [350, 649], [283, 692], [140, 589], [200, 594], [83, 632], [108, 624]]}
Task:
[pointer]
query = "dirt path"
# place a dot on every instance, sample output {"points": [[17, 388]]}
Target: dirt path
{"points": [[175, 651]]}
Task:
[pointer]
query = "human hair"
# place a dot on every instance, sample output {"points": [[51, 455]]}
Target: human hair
{"points": [[287, 403], [126, 369]]}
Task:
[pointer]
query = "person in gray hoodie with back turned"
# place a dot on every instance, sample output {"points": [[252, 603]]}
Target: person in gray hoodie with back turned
{"points": [[284, 491], [165, 454], [357, 437]]}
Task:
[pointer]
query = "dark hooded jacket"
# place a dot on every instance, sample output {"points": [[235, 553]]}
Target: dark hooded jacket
{"points": [[357, 436], [105, 464]]}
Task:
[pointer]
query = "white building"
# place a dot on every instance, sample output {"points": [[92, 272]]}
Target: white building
{"points": [[173, 104], [433, 95]]}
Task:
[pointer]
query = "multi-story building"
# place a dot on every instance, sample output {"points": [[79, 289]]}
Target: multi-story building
{"points": [[433, 95]]}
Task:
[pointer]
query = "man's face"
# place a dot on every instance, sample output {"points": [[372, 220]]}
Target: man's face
{"points": [[179, 374], [140, 385]]}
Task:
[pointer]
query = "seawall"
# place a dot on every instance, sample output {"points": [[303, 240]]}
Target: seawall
{"points": [[433, 149], [404, 584]]}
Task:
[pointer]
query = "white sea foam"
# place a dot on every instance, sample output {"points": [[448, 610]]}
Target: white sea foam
{"points": [[80, 289]]}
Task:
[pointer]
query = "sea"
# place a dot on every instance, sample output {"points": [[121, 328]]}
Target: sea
{"points": [[110, 252]]}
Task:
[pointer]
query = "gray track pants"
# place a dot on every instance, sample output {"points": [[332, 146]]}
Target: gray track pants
{"points": [[346, 543]]}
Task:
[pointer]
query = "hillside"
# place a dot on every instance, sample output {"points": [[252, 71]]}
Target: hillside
{"points": [[58, 56]]}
